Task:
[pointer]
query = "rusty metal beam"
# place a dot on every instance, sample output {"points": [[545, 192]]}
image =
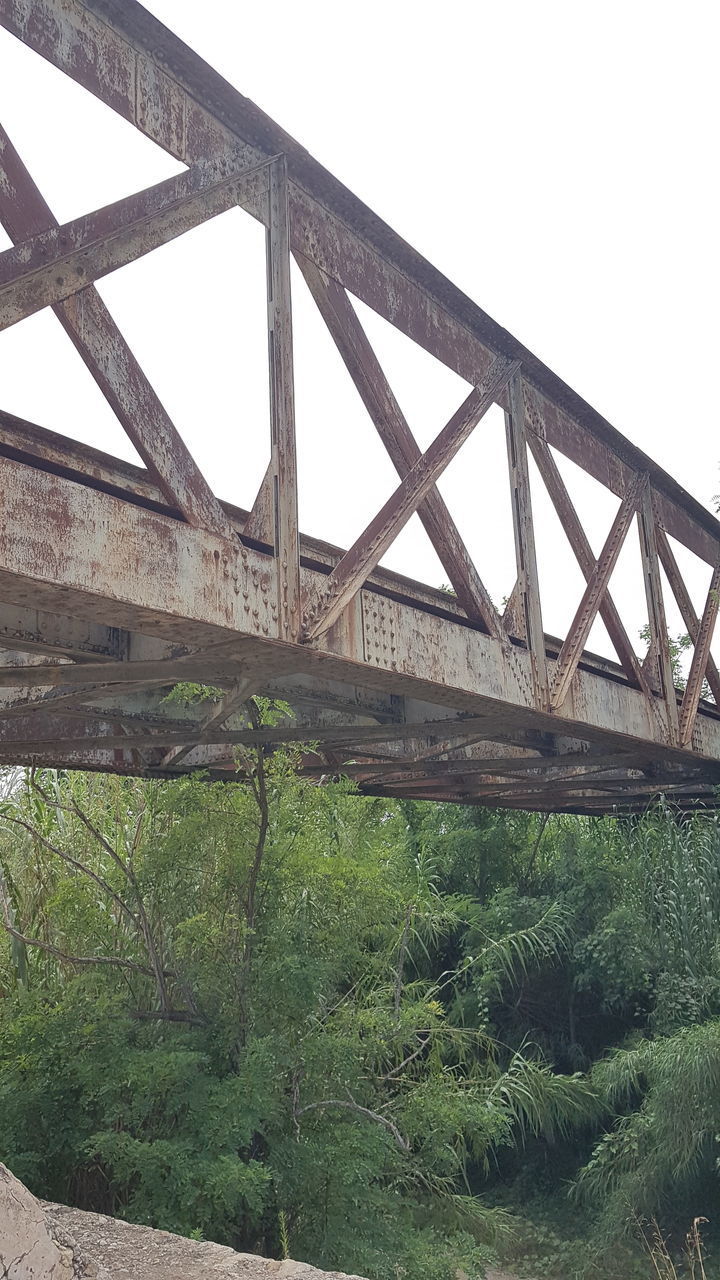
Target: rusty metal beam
{"points": [[580, 543], [147, 572], [348, 576], [166, 671], [389, 420], [594, 593], [46, 450], [58, 736], [487, 788], [659, 635], [685, 605], [528, 584], [512, 620], [30, 630], [99, 343], [261, 522], [283, 461], [57, 263], [414, 766]]}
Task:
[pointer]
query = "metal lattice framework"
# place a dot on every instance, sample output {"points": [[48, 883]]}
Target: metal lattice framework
{"points": [[117, 582]]}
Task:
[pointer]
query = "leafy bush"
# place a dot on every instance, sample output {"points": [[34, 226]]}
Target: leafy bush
{"points": [[372, 1034]]}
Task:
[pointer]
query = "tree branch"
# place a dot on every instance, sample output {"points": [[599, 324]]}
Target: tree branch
{"points": [[406, 1061], [75, 862], [401, 1142], [75, 809], [141, 921], [260, 789], [258, 784], [117, 961]]}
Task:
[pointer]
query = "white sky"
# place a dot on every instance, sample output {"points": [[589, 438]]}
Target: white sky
{"points": [[556, 160]]}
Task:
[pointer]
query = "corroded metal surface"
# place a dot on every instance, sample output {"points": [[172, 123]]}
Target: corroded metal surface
{"points": [[118, 583]]}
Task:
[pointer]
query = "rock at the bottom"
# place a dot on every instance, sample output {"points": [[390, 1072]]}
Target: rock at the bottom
{"points": [[40, 1241]]}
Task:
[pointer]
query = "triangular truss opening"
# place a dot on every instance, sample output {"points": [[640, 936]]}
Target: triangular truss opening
{"points": [[428, 393], [687, 583], [62, 396], [595, 504], [561, 579], [627, 589], [194, 313], [476, 488], [412, 554], [344, 471], [436, 551], [427, 390]]}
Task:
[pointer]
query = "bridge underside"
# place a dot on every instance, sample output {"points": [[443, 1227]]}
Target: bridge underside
{"points": [[119, 583]]}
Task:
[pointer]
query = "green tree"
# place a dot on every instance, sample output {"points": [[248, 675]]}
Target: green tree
{"points": [[238, 1014]]}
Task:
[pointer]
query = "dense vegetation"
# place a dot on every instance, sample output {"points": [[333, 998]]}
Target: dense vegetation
{"points": [[397, 1039]]}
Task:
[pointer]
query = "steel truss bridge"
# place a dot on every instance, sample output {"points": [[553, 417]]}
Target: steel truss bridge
{"points": [[117, 582]]}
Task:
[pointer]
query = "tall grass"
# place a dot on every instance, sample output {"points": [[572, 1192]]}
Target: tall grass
{"points": [[664, 1267]]}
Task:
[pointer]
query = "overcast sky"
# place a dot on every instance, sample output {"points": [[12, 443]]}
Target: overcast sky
{"points": [[557, 160]]}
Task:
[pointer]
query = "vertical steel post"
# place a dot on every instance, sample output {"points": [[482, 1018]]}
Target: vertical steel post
{"points": [[659, 637], [282, 405], [528, 586]]}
